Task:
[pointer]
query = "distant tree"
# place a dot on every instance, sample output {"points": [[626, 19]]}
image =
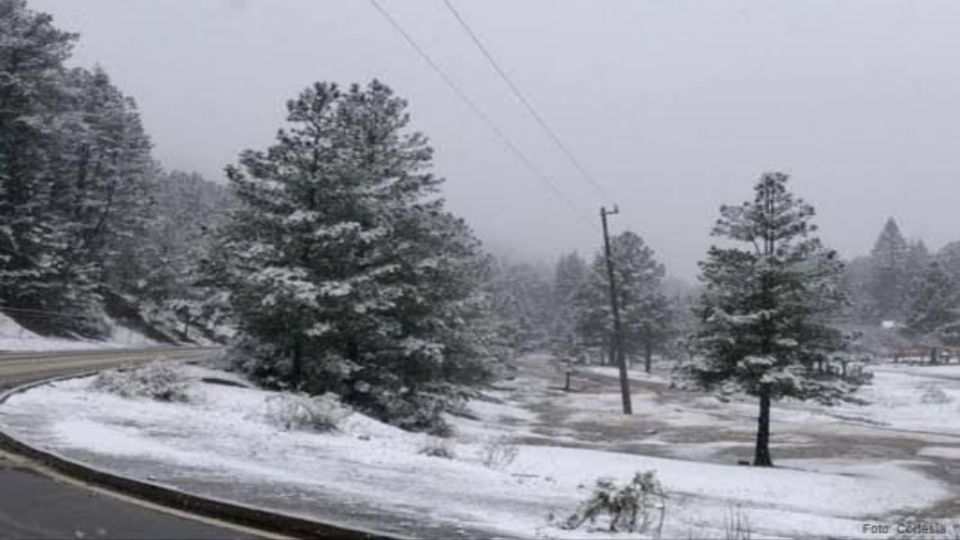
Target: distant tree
{"points": [[855, 284], [949, 258], [570, 276], [890, 274], [644, 310], [933, 302], [766, 311], [346, 273], [523, 297]]}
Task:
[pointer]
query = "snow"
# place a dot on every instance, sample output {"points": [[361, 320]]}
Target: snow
{"points": [[14, 337], [224, 437]]}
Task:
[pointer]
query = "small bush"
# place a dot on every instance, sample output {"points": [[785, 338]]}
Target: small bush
{"points": [[437, 447], [934, 395], [158, 380], [305, 413], [736, 524], [499, 454], [642, 498]]}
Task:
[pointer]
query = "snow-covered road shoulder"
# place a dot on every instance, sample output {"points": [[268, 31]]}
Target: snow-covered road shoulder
{"points": [[225, 442]]}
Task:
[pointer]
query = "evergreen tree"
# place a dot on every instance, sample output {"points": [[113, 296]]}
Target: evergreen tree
{"points": [[949, 259], [933, 301], [890, 275], [570, 276], [32, 88], [644, 310], [346, 273], [73, 156], [767, 306]]}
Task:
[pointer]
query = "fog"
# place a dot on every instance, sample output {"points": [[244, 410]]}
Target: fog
{"points": [[675, 107]]}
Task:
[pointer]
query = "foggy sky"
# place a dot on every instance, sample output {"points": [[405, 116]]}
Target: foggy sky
{"points": [[675, 106]]}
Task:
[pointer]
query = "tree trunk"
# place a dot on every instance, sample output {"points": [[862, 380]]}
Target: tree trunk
{"points": [[296, 371], [647, 357], [762, 456]]}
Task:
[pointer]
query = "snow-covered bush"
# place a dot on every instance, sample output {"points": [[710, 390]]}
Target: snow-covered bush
{"points": [[499, 454], [934, 395], [159, 380], [736, 524], [437, 447], [642, 498], [301, 412]]}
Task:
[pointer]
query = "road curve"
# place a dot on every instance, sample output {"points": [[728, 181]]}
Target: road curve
{"points": [[34, 505]]}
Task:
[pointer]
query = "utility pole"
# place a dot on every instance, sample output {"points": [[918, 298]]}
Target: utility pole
{"points": [[615, 307]]}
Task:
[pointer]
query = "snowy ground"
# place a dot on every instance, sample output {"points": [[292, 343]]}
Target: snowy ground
{"points": [[838, 468], [14, 337]]}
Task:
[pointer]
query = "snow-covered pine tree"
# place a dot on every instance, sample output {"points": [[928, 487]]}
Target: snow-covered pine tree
{"points": [[889, 277], [949, 259], [32, 88], [72, 159], [172, 285], [571, 274], [101, 195], [644, 310], [933, 303], [767, 307], [346, 274]]}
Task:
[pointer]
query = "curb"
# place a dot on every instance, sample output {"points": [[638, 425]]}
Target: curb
{"points": [[171, 497]]}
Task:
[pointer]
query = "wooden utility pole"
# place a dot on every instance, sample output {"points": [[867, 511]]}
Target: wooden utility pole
{"points": [[615, 307]]}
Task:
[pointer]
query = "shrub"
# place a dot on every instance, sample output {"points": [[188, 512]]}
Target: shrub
{"points": [[437, 447], [301, 412], [498, 454], [157, 380], [736, 524], [642, 498], [934, 395]]}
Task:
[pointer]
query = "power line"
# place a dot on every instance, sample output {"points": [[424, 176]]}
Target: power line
{"points": [[545, 179], [526, 102]]}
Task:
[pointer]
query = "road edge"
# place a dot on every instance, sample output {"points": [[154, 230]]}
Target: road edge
{"points": [[171, 497]]}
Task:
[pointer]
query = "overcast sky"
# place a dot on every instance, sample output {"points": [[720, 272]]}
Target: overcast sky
{"points": [[674, 106]]}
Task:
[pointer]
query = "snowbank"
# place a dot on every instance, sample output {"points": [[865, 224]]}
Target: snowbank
{"points": [[222, 443], [14, 337]]}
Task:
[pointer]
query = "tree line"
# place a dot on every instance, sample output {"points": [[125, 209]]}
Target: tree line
{"points": [[90, 224]]}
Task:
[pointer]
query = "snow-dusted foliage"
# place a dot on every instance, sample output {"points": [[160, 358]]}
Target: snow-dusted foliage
{"points": [[438, 447], [291, 411], [646, 314], [157, 380], [499, 453], [766, 312], [72, 161], [345, 272], [639, 506], [83, 208], [932, 304]]}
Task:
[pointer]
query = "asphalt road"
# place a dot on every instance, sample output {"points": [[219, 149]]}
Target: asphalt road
{"points": [[35, 505]]}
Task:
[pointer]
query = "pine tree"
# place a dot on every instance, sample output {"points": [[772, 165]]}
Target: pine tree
{"points": [[949, 259], [32, 89], [890, 275], [645, 312], [346, 274], [571, 274], [933, 302], [766, 311]]}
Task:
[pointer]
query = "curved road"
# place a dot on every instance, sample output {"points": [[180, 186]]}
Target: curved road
{"points": [[35, 505]]}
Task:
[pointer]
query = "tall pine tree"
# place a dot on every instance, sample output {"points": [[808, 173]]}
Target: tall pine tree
{"points": [[889, 277], [766, 311], [347, 273]]}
